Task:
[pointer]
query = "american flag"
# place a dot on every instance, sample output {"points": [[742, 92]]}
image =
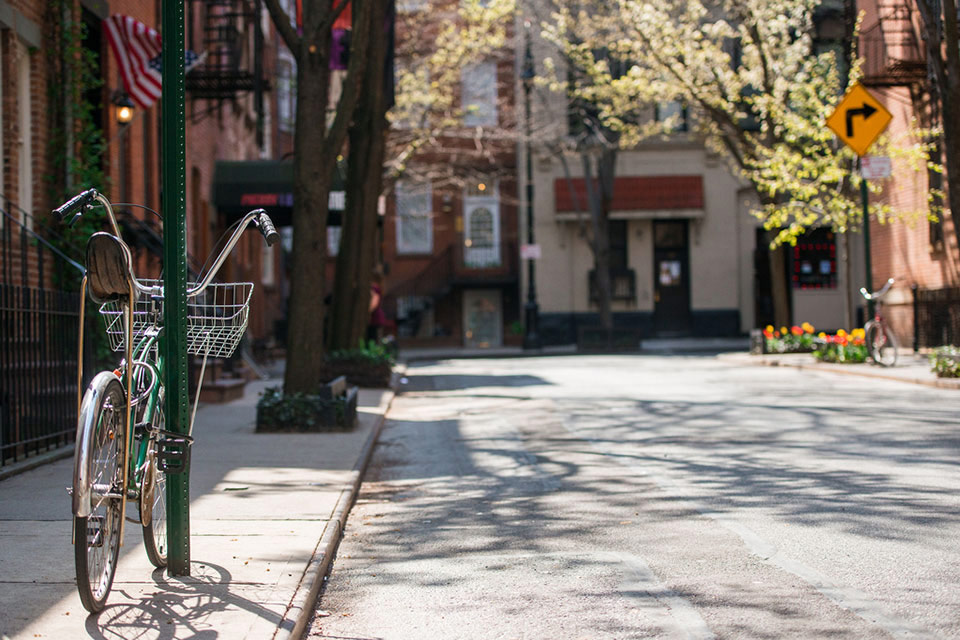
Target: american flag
{"points": [[137, 49]]}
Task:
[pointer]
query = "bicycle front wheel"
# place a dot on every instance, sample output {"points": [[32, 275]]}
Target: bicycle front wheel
{"points": [[882, 344], [97, 534]]}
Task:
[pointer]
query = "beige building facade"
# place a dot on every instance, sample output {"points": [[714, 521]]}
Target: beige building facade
{"points": [[687, 256]]}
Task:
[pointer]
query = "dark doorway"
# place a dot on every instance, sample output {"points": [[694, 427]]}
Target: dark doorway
{"points": [[671, 272]]}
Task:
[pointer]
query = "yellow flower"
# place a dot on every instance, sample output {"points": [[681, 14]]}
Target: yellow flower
{"points": [[806, 326], [769, 328], [822, 335], [841, 332], [858, 333], [784, 330]]}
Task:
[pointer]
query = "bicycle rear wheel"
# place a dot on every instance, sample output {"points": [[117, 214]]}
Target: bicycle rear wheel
{"points": [[155, 533], [882, 344], [97, 535]]}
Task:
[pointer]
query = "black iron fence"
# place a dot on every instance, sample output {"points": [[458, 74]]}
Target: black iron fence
{"points": [[38, 343], [936, 317], [38, 370]]}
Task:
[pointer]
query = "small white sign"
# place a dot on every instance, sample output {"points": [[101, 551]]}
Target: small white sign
{"points": [[530, 251], [875, 167]]}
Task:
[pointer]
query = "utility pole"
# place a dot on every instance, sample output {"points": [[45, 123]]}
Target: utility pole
{"points": [[174, 181]]}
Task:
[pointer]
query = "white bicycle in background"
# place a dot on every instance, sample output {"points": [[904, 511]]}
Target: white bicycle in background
{"points": [[881, 343]]}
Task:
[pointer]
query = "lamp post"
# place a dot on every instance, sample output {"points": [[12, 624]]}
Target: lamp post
{"points": [[531, 335]]}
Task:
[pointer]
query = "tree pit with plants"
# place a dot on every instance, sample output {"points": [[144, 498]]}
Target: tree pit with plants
{"points": [[369, 365], [842, 347], [945, 361], [332, 408], [796, 339]]}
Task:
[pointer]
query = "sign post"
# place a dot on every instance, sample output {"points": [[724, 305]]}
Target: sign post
{"points": [[174, 180], [858, 120]]}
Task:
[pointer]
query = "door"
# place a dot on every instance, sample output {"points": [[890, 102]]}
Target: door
{"points": [[481, 228], [482, 318], [671, 266]]}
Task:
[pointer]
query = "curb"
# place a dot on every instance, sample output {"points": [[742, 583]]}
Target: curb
{"points": [[300, 611], [852, 370], [8, 471]]}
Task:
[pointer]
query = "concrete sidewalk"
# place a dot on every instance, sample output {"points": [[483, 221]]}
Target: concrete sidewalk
{"points": [[267, 511], [910, 367]]}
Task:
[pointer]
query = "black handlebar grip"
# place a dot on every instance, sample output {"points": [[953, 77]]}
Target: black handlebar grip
{"points": [[74, 204], [267, 229]]}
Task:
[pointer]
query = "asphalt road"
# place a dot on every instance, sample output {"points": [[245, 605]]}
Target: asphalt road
{"points": [[653, 497]]}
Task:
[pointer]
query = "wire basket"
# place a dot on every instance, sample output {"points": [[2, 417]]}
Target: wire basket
{"points": [[216, 319]]}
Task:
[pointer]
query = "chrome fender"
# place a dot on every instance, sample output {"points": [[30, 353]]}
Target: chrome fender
{"points": [[85, 429]]}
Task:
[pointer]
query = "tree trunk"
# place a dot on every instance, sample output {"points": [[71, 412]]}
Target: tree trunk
{"points": [[313, 173], [598, 198], [350, 314], [779, 287], [950, 97]]}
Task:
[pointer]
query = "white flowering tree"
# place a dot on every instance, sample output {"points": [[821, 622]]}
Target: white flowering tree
{"points": [[757, 91]]}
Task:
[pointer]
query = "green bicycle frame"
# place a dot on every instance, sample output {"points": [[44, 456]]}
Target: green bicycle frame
{"points": [[141, 358]]}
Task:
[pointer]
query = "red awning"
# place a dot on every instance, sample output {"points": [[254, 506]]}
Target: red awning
{"points": [[633, 193]]}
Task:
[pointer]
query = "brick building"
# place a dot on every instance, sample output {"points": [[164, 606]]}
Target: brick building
{"points": [[56, 141], [923, 254]]}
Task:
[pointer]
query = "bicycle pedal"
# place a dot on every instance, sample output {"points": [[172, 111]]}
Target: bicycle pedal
{"points": [[173, 452]]}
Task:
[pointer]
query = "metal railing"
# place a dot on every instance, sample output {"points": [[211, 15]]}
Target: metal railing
{"points": [[936, 317], [38, 343]]}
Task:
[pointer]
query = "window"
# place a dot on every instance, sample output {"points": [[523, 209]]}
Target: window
{"points": [[409, 6], [935, 183], [815, 261], [413, 93], [481, 228], [286, 93], [414, 222], [674, 114], [479, 95]]}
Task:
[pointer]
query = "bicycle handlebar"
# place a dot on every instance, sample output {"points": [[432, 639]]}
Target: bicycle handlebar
{"points": [[876, 295], [74, 205], [258, 217]]}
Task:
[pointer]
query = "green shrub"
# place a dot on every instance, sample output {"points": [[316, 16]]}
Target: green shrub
{"points": [[277, 411], [945, 361], [370, 352]]}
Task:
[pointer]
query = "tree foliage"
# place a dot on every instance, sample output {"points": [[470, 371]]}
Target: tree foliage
{"points": [[758, 91]]}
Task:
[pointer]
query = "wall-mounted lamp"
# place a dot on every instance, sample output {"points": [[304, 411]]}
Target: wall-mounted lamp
{"points": [[124, 107]]}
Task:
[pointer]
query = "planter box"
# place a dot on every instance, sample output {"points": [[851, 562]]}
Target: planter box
{"points": [[333, 408], [360, 373]]}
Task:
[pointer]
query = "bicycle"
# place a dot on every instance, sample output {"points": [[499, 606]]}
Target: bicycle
{"points": [[881, 343], [114, 463]]}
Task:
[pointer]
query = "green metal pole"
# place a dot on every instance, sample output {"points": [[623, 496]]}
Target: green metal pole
{"points": [[174, 181], [864, 197]]}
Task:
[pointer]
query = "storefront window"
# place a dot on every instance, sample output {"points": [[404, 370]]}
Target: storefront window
{"points": [[815, 260]]}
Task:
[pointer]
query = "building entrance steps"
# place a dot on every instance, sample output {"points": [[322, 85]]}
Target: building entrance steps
{"points": [[267, 511]]}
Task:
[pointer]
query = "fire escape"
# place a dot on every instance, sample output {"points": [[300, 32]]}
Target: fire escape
{"points": [[892, 49], [227, 34]]}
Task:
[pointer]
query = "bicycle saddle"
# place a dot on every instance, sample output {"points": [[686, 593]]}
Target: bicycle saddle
{"points": [[109, 265]]}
